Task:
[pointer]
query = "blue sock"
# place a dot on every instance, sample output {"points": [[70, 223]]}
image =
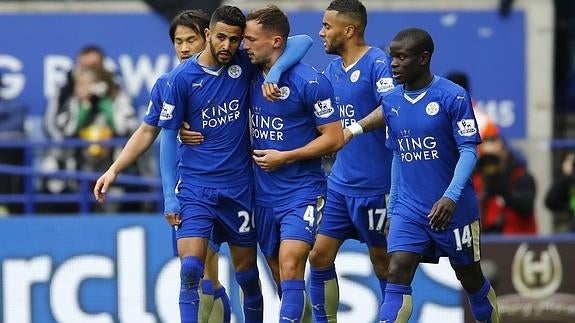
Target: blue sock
{"points": [[191, 271], [382, 285], [253, 304], [207, 287], [293, 300], [484, 304], [398, 304], [206, 292], [221, 298], [324, 294]]}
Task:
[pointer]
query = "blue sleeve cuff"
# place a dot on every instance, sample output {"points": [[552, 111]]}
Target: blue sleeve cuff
{"points": [[168, 165], [296, 48], [463, 171]]}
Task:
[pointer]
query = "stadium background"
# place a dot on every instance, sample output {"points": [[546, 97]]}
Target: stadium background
{"points": [[118, 268]]}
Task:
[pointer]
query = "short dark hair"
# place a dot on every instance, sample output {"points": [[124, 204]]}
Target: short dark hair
{"points": [[196, 20], [272, 19], [91, 49], [229, 15], [422, 41], [353, 9]]}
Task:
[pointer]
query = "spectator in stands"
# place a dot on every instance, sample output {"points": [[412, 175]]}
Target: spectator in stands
{"points": [[96, 109], [12, 117], [561, 196], [505, 188], [90, 56]]}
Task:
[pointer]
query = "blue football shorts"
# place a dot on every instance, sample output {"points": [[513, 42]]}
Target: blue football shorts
{"points": [[461, 244], [360, 218], [297, 220], [223, 214]]}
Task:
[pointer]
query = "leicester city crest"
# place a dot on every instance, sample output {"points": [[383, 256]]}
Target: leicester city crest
{"points": [[284, 92], [234, 71]]}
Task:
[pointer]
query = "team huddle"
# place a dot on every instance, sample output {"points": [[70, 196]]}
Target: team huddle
{"points": [[244, 126]]}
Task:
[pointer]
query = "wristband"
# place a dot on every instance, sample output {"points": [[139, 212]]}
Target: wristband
{"points": [[355, 129]]}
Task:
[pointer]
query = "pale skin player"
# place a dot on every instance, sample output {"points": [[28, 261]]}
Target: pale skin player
{"points": [[264, 41], [187, 42]]}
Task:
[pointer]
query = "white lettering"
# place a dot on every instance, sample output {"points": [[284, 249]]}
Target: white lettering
{"points": [[12, 83], [65, 288], [267, 134], [132, 277], [408, 144], [135, 75], [55, 69], [214, 122], [346, 111], [356, 264], [18, 276], [419, 155], [502, 112], [267, 127], [167, 291], [267, 122]]}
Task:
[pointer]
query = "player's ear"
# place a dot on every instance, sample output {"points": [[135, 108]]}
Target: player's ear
{"points": [[207, 34], [349, 31], [278, 41], [425, 58]]}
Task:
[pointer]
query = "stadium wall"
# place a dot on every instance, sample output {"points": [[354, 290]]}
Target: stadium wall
{"points": [[120, 269]]}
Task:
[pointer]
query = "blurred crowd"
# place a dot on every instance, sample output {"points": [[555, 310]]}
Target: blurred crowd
{"points": [[91, 106]]}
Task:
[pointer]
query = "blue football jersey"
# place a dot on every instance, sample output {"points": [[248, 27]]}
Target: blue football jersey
{"points": [[152, 116], [426, 127], [291, 122], [214, 102], [358, 90]]}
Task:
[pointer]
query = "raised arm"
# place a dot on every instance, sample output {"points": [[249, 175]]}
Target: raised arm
{"points": [[296, 48]]}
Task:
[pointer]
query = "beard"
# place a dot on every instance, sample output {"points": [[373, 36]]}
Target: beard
{"points": [[335, 47], [216, 55]]}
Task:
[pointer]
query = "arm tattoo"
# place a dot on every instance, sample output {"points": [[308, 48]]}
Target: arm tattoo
{"points": [[374, 120]]}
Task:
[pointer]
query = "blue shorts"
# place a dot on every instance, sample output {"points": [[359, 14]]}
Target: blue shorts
{"points": [[214, 246], [360, 218], [293, 221], [222, 214], [461, 244]]}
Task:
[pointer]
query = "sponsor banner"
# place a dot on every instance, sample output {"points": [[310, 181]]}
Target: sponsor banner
{"points": [[139, 50], [106, 269], [532, 278]]}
